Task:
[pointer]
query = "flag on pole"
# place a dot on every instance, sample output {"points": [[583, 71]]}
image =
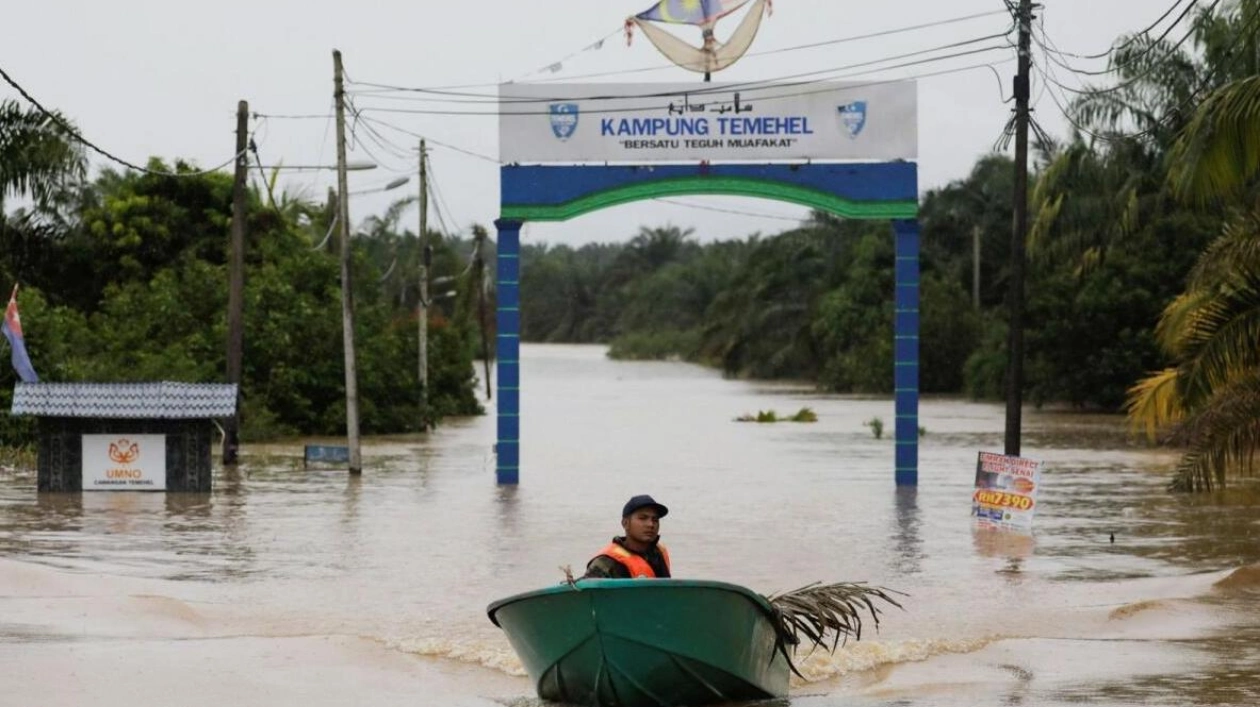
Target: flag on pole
{"points": [[690, 12], [12, 328]]}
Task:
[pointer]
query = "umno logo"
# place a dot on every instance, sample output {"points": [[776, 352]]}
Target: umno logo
{"points": [[124, 451]]}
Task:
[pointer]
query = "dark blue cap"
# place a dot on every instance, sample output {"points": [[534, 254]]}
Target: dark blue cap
{"points": [[642, 501]]}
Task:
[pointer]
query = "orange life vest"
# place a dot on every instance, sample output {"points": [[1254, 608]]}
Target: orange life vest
{"points": [[637, 565]]}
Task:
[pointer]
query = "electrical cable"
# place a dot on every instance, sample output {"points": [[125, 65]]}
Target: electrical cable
{"points": [[1190, 100], [663, 67], [1134, 79], [1115, 69], [642, 109], [702, 89], [1133, 38], [438, 198], [78, 137], [470, 153]]}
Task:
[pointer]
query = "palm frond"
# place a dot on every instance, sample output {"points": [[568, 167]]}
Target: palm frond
{"points": [[1155, 403], [1218, 152], [1222, 436], [1218, 340], [1239, 244], [821, 613]]}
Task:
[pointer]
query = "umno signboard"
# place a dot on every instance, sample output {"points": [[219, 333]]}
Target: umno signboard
{"points": [[124, 462]]}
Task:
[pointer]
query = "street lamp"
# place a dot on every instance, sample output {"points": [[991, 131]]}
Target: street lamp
{"points": [[236, 276], [388, 187]]}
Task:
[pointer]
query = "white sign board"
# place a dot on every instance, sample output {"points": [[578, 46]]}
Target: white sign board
{"points": [[124, 462], [575, 123], [1006, 492]]}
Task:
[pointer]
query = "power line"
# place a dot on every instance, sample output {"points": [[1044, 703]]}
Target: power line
{"points": [[495, 161], [1208, 79], [815, 82], [664, 67], [1130, 40], [439, 200], [701, 89], [470, 153], [1133, 60], [989, 66], [78, 137], [1134, 79]]}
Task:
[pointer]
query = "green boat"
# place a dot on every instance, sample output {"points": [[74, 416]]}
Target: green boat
{"points": [[645, 643]]}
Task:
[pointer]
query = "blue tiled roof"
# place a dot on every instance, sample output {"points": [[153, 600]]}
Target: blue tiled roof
{"points": [[167, 401]]}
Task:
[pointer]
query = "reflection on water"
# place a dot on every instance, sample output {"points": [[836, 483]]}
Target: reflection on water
{"points": [[408, 555], [1011, 547], [908, 546]]}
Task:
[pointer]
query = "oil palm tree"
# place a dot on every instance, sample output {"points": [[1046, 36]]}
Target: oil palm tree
{"points": [[37, 157], [1210, 400]]}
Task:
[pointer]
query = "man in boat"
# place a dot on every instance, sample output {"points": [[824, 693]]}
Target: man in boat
{"points": [[638, 553]]}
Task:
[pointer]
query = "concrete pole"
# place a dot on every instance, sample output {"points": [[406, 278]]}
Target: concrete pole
{"points": [[347, 290], [424, 285]]}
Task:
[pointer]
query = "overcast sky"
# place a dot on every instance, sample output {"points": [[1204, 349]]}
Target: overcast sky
{"points": [[159, 78]]}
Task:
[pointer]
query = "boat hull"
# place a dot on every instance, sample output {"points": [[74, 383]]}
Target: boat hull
{"points": [[645, 643]]}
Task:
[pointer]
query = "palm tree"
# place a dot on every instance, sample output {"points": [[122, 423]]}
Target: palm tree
{"points": [[1210, 399], [37, 157]]}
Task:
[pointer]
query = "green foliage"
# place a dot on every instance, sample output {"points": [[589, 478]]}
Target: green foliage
{"points": [[877, 426], [37, 157], [984, 373], [132, 286], [766, 416]]}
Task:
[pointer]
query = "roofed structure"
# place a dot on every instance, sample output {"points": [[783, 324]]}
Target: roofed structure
{"points": [[124, 436], [162, 401]]}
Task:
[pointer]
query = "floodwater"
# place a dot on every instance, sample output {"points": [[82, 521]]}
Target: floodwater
{"points": [[292, 586]]}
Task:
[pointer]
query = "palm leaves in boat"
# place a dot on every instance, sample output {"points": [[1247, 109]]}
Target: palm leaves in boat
{"points": [[825, 613]]}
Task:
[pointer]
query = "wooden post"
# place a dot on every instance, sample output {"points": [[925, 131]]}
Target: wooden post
{"points": [[1019, 236], [236, 284]]}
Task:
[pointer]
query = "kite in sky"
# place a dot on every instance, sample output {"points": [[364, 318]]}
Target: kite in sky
{"points": [[712, 55]]}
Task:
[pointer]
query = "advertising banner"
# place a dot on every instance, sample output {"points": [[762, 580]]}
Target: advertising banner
{"points": [[1006, 491], [124, 462], [580, 123]]}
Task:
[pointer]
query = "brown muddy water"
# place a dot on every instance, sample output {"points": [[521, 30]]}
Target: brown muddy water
{"points": [[288, 586]]}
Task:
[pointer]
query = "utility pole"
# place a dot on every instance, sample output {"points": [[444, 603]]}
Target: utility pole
{"points": [[236, 285], [1019, 236], [347, 293], [479, 277], [424, 285], [975, 267]]}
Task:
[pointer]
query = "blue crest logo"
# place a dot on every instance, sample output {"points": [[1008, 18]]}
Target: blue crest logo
{"points": [[853, 116], [564, 120]]}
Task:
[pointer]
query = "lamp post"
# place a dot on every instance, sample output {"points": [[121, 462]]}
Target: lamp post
{"points": [[388, 187], [236, 277]]}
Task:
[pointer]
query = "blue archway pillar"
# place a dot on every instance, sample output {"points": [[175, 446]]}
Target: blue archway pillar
{"points": [[871, 191], [508, 353], [906, 352]]}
